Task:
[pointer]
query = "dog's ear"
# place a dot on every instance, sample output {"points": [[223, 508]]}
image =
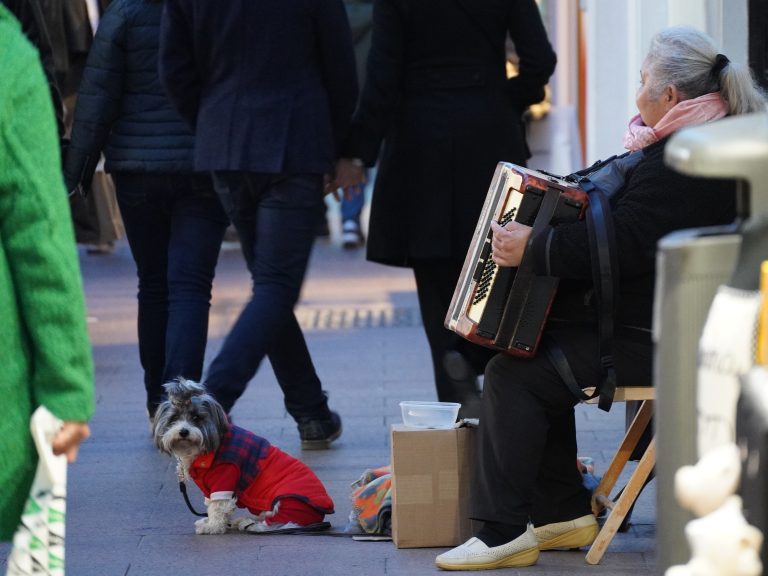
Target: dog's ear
{"points": [[218, 420], [221, 418], [160, 423]]}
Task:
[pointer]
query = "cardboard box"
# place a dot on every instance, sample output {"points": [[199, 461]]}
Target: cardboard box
{"points": [[430, 486]]}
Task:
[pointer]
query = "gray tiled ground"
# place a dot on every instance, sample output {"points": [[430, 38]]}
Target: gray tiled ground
{"points": [[126, 516]]}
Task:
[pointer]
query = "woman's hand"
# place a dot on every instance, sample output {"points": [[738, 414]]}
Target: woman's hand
{"points": [[509, 243], [67, 440], [349, 176]]}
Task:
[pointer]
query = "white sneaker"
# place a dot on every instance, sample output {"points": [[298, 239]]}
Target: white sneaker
{"points": [[351, 235], [475, 555], [571, 534]]}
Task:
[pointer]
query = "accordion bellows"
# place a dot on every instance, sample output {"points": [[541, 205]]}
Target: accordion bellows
{"points": [[506, 308]]}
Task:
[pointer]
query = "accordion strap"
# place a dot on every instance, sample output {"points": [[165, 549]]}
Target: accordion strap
{"points": [[560, 362], [605, 280]]}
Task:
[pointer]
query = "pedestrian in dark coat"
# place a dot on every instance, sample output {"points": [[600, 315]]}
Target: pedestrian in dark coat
{"points": [[437, 96], [269, 88], [173, 218]]}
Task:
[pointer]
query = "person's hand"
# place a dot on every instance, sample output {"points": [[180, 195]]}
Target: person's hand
{"points": [[509, 243], [67, 440], [350, 173], [330, 186]]}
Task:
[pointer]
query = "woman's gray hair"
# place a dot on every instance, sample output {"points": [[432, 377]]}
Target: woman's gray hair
{"points": [[686, 58]]}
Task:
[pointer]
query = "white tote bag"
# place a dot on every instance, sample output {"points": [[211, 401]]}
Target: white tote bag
{"points": [[38, 544]]}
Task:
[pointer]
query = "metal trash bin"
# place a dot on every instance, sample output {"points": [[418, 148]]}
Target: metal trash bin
{"points": [[691, 264]]}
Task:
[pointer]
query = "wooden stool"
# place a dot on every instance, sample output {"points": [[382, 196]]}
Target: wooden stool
{"points": [[601, 496]]}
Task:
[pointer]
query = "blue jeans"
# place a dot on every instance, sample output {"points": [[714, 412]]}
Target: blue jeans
{"points": [[276, 217], [352, 209], [175, 225]]}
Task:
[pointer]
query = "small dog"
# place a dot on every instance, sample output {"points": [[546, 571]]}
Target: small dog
{"points": [[234, 468]]}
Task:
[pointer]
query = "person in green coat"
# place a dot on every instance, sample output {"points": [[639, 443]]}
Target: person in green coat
{"points": [[45, 352]]}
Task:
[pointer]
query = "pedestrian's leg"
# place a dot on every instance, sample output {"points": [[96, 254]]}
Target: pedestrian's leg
{"points": [[305, 399], [142, 201], [351, 230], [278, 249], [295, 372], [352, 207], [197, 228], [455, 361], [429, 279], [237, 359], [291, 225]]}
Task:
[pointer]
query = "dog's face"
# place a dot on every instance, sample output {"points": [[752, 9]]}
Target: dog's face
{"points": [[190, 422]]}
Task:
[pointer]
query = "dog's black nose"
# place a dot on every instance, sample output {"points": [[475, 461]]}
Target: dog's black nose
{"points": [[183, 432]]}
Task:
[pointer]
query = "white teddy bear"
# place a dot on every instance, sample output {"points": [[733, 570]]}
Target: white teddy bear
{"points": [[722, 543], [703, 488]]}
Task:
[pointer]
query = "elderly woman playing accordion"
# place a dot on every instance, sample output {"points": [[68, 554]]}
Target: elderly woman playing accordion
{"points": [[527, 491]]}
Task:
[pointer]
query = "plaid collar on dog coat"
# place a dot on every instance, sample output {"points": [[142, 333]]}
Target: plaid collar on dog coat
{"points": [[243, 449]]}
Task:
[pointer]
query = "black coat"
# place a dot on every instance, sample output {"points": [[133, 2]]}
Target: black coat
{"points": [[268, 85], [654, 201], [122, 108], [33, 24], [436, 94]]}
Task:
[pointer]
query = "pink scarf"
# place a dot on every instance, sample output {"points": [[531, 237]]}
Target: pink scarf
{"points": [[686, 113]]}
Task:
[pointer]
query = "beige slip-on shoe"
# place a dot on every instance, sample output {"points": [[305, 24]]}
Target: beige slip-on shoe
{"points": [[475, 555], [571, 534]]}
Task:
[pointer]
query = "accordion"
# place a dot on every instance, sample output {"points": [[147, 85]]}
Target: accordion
{"points": [[506, 308]]}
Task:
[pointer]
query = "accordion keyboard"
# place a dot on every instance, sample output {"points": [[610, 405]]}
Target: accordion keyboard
{"points": [[486, 267]]}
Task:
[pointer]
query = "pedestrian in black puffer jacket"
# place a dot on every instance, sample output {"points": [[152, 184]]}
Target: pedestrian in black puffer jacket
{"points": [[173, 218]]}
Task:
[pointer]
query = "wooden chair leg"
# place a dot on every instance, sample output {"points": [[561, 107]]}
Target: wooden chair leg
{"points": [[622, 506], [601, 495]]}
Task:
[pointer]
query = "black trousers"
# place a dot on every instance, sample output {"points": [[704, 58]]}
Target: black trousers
{"points": [[526, 457], [435, 283]]}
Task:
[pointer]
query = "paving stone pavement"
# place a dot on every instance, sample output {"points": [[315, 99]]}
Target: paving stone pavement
{"points": [[126, 516]]}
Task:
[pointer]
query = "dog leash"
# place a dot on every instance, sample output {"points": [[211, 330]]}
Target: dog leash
{"points": [[183, 488]]}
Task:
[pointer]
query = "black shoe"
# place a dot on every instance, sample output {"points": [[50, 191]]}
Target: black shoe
{"points": [[318, 434]]}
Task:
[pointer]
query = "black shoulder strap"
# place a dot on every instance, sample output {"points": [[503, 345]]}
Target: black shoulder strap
{"points": [[605, 280], [605, 274]]}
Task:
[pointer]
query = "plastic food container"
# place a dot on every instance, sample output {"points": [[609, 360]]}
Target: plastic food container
{"points": [[429, 414]]}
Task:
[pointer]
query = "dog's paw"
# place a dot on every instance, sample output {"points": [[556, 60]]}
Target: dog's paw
{"points": [[205, 526]]}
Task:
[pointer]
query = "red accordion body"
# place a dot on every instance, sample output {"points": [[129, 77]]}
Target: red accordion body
{"points": [[506, 308]]}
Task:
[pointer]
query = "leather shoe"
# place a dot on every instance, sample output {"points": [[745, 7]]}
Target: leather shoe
{"points": [[318, 434], [475, 555], [571, 534]]}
